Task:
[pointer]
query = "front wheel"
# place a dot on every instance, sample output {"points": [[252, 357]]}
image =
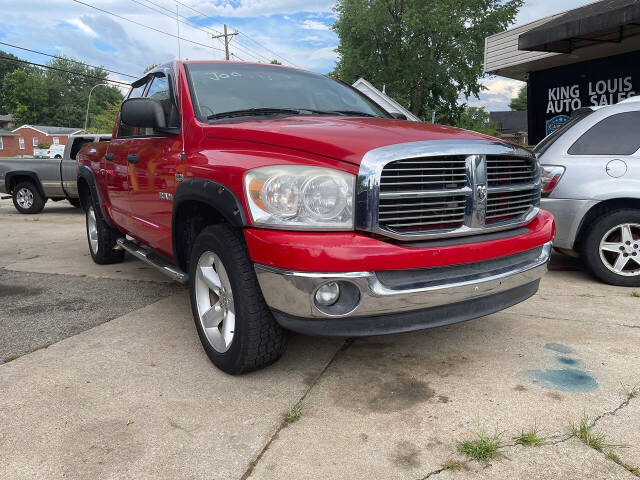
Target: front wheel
{"points": [[612, 248], [235, 326], [27, 198], [102, 238]]}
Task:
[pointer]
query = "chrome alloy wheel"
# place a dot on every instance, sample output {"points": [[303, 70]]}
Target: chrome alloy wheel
{"points": [[92, 229], [214, 300], [24, 197], [620, 249]]}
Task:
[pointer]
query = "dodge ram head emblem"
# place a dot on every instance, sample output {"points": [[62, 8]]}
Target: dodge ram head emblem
{"points": [[481, 192]]}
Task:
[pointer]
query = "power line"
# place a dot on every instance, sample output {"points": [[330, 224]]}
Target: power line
{"points": [[145, 26], [4, 57], [64, 58], [246, 47]]}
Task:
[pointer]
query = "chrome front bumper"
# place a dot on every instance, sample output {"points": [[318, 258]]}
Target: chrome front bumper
{"points": [[291, 294]]}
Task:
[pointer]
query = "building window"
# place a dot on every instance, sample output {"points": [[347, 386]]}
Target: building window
{"points": [[35, 141], [56, 141], [1, 144], [21, 143]]}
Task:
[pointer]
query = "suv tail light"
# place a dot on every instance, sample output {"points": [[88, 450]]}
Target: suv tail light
{"points": [[551, 175]]}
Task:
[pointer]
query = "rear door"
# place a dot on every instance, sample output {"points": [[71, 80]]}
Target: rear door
{"points": [[153, 158]]}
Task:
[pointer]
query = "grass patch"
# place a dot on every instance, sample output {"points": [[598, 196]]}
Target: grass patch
{"points": [[590, 438], [453, 465], [10, 358], [294, 413], [483, 447], [613, 456], [530, 438], [635, 294]]}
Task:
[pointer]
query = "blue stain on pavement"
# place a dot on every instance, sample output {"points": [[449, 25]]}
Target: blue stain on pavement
{"points": [[566, 379], [558, 347], [568, 361]]}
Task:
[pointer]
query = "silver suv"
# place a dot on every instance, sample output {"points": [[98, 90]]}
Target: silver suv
{"points": [[591, 185]]}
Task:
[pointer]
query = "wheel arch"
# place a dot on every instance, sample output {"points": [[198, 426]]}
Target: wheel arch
{"points": [[198, 203], [602, 208], [12, 179]]}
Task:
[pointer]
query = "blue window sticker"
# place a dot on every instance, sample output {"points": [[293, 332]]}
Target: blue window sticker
{"points": [[556, 122]]}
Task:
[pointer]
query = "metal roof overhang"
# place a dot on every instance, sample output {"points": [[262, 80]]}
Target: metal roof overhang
{"points": [[605, 22]]}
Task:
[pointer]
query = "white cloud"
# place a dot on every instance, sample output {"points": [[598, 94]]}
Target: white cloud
{"points": [[498, 94], [314, 25], [83, 27]]}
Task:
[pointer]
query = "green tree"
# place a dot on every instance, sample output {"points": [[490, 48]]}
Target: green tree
{"points": [[477, 119], [8, 64], [275, 62], [105, 120], [151, 67], [57, 97], [428, 53], [519, 102]]}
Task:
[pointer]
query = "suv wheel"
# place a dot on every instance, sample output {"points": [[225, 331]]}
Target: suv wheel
{"points": [[27, 198], [612, 248], [235, 326], [102, 238]]}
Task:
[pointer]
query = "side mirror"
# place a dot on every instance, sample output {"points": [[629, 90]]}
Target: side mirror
{"points": [[398, 116], [143, 112]]}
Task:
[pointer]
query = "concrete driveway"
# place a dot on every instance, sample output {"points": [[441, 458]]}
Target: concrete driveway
{"points": [[104, 377]]}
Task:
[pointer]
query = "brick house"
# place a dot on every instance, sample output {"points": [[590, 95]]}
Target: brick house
{"points": [[21, 141]]}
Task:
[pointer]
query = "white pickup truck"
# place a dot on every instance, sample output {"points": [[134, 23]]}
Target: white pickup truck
{"points": [[54, 151], [33, 181]]}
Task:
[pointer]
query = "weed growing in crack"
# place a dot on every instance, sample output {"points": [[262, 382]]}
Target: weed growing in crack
{"points": [[590, 438], [613, 456], [635, 294], [483, 447], [451, 464], [530, 438], [294, 413]]}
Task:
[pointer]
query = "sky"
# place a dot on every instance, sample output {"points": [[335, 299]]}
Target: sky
{"points": [[294, 32]]}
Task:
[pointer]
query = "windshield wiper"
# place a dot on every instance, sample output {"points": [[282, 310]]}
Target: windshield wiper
{"points": [[354, 113], [248, 112]]}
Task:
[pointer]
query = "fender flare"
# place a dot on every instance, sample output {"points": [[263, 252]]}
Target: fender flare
{"points": [[86, 173], [25, 173], [211, 193]]}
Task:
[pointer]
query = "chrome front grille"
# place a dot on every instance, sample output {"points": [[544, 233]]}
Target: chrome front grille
{"points": [[509, 170], [438, 189], [508, 205]]}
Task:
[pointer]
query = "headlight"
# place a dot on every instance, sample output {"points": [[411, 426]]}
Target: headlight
{"points": [[300, 198]]}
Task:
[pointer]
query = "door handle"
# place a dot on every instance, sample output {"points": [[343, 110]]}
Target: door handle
{"points": [[133, 158], [108, 156]]}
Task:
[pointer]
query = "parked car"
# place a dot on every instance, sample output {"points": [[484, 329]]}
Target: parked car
{"points": [[54, 151], [591, 184], [289, 200], [31, 182]]}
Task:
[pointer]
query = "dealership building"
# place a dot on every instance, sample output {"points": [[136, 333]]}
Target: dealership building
{"points": [[584, 57]]}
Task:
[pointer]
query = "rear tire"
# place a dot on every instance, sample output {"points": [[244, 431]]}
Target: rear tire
{"points": [[611, 248], [102, 238], [27, 198], [236, 327]]}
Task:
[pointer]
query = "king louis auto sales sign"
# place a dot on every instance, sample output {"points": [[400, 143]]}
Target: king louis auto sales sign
{"points": [[556, 93]]}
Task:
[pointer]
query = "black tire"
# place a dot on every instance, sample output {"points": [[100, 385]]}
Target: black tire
{"points": [[103, 250], [58, 156], [75, 202], [591, 248], [35, 201], [258, 340]]}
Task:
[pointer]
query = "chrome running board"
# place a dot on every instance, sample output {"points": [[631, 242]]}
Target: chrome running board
{"points": [[147, 256]]}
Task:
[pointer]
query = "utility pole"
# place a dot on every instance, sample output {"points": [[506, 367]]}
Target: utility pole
{"points": [[227, 40]]}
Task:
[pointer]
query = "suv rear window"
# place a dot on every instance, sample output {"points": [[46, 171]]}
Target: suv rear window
{"points": [[550, 139], [618, 134]]}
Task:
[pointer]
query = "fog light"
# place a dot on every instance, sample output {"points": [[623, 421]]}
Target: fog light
{"points": [[328, 294]]}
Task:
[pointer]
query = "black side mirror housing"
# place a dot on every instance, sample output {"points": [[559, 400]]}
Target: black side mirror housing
{"points": [[398, 116], [143, 112]]}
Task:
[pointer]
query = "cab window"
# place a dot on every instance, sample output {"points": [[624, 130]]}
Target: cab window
{"points": [[159, 90], [618, 134]]}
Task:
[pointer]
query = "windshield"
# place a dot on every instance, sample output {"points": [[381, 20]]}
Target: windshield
{"points": [[264, 90], [550, 139]]}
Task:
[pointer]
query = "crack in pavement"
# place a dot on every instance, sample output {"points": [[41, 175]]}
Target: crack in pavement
{"points": [[559, 438], [254, 463]]}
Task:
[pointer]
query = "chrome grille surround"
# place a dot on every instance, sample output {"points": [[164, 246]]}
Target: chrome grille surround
{"points": [[478, 197]]}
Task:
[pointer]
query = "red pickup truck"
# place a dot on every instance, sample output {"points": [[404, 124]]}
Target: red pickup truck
{"points": [[290, 201]]}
